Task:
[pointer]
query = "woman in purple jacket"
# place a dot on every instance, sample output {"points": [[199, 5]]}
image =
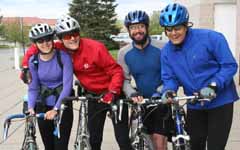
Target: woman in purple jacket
{"points": [[52, 77]]}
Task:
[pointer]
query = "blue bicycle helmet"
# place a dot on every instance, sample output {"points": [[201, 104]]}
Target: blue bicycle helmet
{"points": [[173, 14], [137, 16]]}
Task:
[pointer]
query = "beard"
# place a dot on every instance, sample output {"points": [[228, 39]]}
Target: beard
{"points": [[141, 41]]}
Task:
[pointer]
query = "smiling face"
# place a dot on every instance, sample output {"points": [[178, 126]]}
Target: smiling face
{"points": [[138, 33], [71, 40], [176, 34], [45, 44]]}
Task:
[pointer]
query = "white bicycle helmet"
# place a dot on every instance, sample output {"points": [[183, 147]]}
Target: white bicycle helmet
{"points": [[40, 30], [66, 24]]}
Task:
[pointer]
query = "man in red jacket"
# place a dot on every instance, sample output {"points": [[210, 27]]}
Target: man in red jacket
{"points": [[97, 72]]}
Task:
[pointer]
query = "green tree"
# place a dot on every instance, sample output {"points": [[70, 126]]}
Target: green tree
{"points": [[97, 19], [155, 28], [13, 32]]}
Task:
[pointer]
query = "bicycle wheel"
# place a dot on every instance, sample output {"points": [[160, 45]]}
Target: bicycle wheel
{"points": [[142, 142], [83, 145]]}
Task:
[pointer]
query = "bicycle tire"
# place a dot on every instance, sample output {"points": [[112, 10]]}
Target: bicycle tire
{"points": [[83, 145], [142, 142]]}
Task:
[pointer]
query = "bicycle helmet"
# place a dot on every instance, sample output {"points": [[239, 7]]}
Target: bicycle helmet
{"points": [[137, 16], [173, 14], [66, 24], [40, 30]]}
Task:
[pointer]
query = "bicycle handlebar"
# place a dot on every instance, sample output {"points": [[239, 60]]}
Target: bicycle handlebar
{"points": [[8, 120]]}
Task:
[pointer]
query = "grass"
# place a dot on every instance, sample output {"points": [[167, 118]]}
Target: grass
{"points": [[114, 53], [5, 46]]}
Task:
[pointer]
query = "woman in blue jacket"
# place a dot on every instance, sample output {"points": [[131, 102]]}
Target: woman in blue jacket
{"points": [[52, 77], [200, 61]]}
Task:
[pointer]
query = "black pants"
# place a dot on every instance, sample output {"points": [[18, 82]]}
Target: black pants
{"points": [[46, 128], [210, 126], [96, 125]]}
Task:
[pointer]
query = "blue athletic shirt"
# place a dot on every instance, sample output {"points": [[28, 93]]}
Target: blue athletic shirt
{"points": [[143, 65], [204, 57]]}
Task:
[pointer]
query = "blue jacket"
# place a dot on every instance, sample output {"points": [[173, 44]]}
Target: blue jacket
{"points": [[204, 57], [143, 65]]}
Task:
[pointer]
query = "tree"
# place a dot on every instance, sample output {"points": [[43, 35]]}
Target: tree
{"points": [[97, 19], [12, 32], [155, 28]]}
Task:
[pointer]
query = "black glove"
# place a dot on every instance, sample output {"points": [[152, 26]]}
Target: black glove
{"points": [[26, 75], [166, 95], [209, 92]]}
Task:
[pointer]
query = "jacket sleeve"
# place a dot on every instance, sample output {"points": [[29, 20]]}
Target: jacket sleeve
{"points": [[67, 78], [30, 51], [127, 87], [168, 77], [110, 66], [223, 55]]}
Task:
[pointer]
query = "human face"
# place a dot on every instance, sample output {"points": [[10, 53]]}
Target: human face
{"points": [[138, 33], [176, 34], [45, 44], [71, 40]]}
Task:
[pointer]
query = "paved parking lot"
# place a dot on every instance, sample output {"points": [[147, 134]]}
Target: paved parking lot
{"points": [[12, 91]]}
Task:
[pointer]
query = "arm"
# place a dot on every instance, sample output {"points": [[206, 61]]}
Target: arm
{"points": [[67, 78], [33, 87], [127, 87], [168, 77], [227, 64], [110, 66]]}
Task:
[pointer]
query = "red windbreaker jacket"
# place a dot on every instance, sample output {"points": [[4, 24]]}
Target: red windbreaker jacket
{"points": [[93, 66]]}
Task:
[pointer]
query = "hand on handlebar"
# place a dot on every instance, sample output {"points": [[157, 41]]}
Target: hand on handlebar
{"points": [[136, 97], [167, 96], [207, 92], [50, 114], [108, 98], [31, 111]]}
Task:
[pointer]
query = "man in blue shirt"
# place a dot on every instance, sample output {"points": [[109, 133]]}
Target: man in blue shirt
{"points": [[141, 60], [199, 60]]}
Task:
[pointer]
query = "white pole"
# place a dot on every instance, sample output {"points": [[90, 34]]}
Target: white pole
{"points": [[16, 58]]}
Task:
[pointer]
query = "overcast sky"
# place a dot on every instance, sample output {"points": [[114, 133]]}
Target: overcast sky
{"points": [[55, 8]]}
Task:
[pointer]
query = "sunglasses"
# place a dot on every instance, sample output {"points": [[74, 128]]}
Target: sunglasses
{"points": [[176, 28], [68, 36], [44, 39]]}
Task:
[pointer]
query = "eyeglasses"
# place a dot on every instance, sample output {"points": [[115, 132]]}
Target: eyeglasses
{"points": [[176, 28], [136, 27], [68, 36], [44, 39]]}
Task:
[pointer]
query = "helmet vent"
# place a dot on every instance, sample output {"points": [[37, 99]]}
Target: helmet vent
{"points": [[170, 18], [174, 7], [68, 24]]}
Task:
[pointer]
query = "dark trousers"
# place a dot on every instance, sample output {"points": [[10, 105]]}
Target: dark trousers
{"points": [[97, 115], [47, 127], [210, 126]]}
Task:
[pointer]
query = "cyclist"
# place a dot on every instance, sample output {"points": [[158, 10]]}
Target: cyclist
{"points": [[199, 60], [98, 73], [141, 59], [50, 83]]}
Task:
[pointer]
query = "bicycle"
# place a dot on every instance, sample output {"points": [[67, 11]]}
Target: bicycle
{"points": [[29, 142], [181, 139], [140, 140]]}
